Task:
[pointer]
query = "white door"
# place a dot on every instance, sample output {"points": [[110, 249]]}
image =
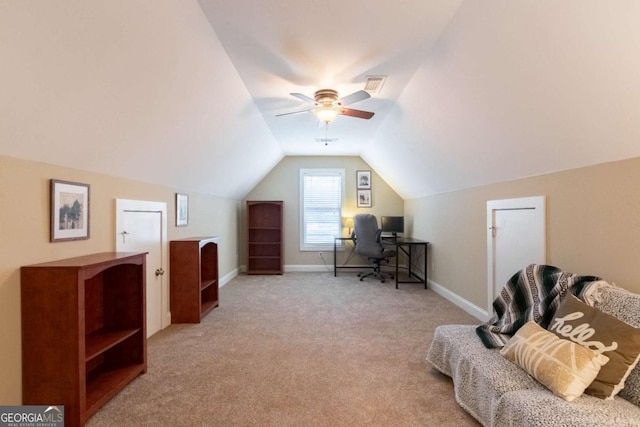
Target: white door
{"points": [[141, 227], [516, 237]]}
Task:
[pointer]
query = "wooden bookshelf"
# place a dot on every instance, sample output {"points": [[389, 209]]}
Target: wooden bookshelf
{"points": [[83, 331], [265, 237], [193, 271]]}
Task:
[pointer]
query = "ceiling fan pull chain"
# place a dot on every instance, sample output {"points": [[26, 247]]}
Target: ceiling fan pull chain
{"points": [[326, 134]]}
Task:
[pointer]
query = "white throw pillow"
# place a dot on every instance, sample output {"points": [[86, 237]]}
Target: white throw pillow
{"points": [[566, 368]]}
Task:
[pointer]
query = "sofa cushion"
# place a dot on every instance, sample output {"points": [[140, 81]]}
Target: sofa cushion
{"points": [[499, 393], [481, 375], [565, 367], [603, 334], [536, 408], [625, 306]]}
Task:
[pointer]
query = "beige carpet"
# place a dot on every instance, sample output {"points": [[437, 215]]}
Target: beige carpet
{"points": [[302, 349]]}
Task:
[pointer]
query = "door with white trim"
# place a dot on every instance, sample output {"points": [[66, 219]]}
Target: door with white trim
{"points": [[516, 237], [141, 227]]}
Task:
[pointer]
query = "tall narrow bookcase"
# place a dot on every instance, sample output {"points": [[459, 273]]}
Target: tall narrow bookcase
{"points": [[265, 237], [193, 272], [83, 331]]}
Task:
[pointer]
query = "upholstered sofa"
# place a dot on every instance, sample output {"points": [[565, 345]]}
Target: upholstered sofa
{"points": [[499, 392]]}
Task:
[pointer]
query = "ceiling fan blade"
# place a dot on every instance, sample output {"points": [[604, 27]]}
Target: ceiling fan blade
{"points": [[305, 98], [354, 97], [356, 113], [294, 112]]}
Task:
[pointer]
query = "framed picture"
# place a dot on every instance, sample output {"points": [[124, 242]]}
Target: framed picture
{"points": [[364, 198], [182, 210], [363, 179], [69, 206]]}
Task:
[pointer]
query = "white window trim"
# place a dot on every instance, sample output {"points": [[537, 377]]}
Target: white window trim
{"points": [[317, 171]]}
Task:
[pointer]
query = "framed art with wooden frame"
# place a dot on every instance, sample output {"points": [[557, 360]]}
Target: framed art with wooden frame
{"points": [[364, 198], [69, 206], [182, 210], [363, 180]]}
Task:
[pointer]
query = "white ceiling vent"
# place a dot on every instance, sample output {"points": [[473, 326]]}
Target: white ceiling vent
{"points": [[374, 83]]}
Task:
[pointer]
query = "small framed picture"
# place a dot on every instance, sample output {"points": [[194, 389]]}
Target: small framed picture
{"points": [[69, 206], [363, 180], [182, 210], [364, 198]]}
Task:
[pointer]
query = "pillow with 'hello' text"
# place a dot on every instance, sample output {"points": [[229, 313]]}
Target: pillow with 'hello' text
{"points": [[604, 334]]}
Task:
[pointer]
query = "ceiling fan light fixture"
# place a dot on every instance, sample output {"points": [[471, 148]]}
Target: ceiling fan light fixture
{"points": [[328, 105], [326, 114]]}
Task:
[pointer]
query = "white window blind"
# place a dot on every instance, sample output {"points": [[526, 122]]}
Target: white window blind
{"points": [[321, 193]]}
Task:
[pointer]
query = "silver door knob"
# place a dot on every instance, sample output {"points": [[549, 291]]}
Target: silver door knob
{"points": [[159, 272]]}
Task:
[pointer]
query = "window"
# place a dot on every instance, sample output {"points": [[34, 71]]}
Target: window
{"points": [[321, 192]]}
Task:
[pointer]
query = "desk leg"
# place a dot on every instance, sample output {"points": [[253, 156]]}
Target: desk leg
{"points": [[335, 264], [425, 266], [397, 261]]}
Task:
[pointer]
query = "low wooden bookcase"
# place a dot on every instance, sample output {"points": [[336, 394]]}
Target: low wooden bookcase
{"points": [[83, 331], [193, 272]]}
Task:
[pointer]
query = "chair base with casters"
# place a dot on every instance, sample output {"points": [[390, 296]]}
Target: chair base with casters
{"points": [[377, 272]]}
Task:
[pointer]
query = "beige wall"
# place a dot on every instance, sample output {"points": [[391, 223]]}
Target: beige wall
{"points": [[24, 237], [282, 183], [593, 226]]}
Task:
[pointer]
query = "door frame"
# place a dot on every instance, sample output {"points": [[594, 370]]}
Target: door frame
{"points": [[127, 205], [538, 203]]}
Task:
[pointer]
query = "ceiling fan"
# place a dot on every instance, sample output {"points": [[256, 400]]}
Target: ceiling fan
{"points": [[328, 106]]}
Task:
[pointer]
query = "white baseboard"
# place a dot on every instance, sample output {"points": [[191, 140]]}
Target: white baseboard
{"points": [[227, 277], [457, 300]]}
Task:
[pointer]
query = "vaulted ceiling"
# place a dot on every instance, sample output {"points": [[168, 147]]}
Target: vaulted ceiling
{"points": [[185, 93], [284, 46]]}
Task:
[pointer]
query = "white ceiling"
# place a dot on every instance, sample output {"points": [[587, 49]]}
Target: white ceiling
{"points": [[478, 92], [284, 46], [185, 93]]}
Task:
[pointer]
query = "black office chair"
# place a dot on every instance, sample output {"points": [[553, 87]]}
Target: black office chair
{"points": [[368, 243]]}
